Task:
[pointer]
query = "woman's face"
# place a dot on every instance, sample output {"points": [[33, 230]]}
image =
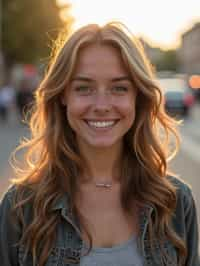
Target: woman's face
{"points": [[100, 98]]}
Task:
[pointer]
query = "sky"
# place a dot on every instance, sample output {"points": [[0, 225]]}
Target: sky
{"points": [[160, 22]]}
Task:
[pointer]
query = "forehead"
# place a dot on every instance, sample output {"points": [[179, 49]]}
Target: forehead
{"points": [[100, 60]]}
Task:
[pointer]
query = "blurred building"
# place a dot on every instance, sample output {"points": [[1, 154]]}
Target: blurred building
{"points": [[154, 53], [1, 69], [189, 52]]}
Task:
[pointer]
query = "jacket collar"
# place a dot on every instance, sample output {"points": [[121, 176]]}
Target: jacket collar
{"points": [[62, 203]]}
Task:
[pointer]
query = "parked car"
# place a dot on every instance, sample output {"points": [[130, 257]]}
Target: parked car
{"points": [[178, 97]]}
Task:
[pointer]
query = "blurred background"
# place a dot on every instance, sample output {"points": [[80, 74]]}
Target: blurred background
{"points": [[169, 31]]}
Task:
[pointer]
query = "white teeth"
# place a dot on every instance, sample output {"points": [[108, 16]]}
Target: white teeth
{"points": [[101, 124]]}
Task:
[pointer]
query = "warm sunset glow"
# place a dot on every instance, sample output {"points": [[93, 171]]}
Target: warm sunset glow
{"points": [[194, 82], [160, 22]]}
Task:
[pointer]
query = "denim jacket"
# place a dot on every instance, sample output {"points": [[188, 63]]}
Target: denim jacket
{"points": [[67, 248]]}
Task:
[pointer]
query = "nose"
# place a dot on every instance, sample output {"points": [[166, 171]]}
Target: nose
{"points": [[102, 103]]}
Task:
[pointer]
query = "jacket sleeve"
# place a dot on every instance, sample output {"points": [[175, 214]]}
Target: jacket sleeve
{"points": [[9, 233], [192, 234]]}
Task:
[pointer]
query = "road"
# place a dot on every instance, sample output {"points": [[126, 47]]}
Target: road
{"points": [[186, 163]]}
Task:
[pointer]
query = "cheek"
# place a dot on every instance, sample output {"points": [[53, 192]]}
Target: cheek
{"points": [[128, 112], [127, 108], [130, 116], [76, 109], [73, 113]]}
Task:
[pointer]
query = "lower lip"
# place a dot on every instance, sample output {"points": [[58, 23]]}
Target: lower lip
{"points": [[101, 128]]}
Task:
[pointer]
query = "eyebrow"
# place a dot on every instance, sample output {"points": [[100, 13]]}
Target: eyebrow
{"points": [[82, 78], [126, 78]]}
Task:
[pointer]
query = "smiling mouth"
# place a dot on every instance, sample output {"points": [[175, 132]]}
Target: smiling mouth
{"points": [[101, 124]]}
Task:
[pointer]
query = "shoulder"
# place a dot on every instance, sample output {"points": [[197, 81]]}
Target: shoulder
{"points": [[185, 211], [183, 190], [11, 228], [8, 220], [8, 196], [7, 201], [12, 191], [15, 195], [185, 221]]}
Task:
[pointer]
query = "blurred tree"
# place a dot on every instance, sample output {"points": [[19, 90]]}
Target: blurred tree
{"points": [[161, 59], [168, 61], [28, 28]]}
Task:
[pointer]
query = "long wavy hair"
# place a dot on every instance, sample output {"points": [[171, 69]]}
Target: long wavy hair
{"points": [[53, 161]]}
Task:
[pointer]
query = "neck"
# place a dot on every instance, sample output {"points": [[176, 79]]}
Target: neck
{"points": [[103, 165]]}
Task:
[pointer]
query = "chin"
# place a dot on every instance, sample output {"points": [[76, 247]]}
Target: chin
{"points": [[103, 144]]}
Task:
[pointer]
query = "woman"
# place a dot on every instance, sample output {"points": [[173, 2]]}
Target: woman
{"points": [[96, 190]]}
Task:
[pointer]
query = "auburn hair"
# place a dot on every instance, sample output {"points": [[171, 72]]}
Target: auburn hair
{"points": [[53, 161]]}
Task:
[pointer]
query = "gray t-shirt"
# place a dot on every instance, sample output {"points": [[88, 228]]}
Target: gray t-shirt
{"points": [[125, 254]]}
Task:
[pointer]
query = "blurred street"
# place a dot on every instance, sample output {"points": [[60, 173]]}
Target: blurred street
{"points": [[186, 164]]}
